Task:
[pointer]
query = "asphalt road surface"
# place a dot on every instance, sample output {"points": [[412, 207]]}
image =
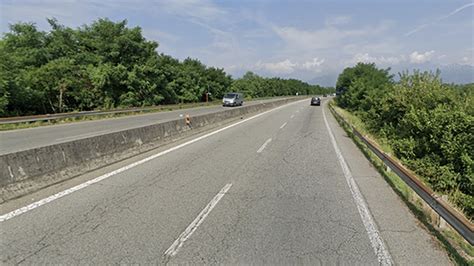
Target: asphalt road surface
{"points": [[25, 139], [269, 190]]}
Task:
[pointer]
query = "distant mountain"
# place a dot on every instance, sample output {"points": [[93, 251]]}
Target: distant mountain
{"points": [[459, 74], [454, 73]]}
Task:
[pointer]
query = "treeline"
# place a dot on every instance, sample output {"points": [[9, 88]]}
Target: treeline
{"points": [[254, 86], [106, 65], [428, 124]]}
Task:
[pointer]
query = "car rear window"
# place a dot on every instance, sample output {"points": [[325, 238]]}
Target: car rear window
{"points": [[230, 95]]}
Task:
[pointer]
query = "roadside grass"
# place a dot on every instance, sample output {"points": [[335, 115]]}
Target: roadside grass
{"points": [[461, 252], [361, 127]]}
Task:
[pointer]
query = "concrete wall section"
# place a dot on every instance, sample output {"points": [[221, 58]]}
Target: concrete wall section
{"points": [[27, 171]]}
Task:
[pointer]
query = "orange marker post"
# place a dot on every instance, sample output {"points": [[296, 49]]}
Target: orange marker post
{"points": [[187, 119]]}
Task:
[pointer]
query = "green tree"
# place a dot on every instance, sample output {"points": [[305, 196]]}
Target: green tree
{"points": [[427, 123], [356, 83], [107, 64]]}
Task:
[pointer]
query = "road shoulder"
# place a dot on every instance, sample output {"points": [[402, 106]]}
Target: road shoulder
{"points": [[406, 239]]}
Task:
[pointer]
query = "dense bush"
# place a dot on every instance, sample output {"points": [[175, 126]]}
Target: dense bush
{"points": [[428, 124]]}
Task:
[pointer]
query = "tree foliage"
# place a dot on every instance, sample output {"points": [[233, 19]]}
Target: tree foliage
{"points": [[428, 124], [105, 65], [353, 83], [254, 86]]}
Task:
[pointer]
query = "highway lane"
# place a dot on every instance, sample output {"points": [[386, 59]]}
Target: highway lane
{"points": [[269, 190], [24, 139]]}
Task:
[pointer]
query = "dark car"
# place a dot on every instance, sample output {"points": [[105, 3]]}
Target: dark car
{"points": [[315, 101]]}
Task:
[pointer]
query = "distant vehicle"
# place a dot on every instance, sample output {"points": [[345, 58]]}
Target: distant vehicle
{"points": [[315, 101], [324, 95], [233, 99]]}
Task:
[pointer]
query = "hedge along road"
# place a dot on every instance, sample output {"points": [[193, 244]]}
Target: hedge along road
{"points": [[25, 139], [258, 192]]}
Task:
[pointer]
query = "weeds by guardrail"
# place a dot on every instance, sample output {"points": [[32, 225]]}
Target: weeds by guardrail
{"points": [[462, 225]]}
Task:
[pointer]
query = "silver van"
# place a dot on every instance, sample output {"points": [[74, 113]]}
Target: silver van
{"points": [[233, 99]]}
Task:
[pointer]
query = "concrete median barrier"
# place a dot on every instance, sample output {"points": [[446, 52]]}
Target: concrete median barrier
{"points": [[30, 170]]}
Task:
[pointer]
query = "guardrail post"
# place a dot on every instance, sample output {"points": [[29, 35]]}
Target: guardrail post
{"points": [[442, 222], [388, 169]]}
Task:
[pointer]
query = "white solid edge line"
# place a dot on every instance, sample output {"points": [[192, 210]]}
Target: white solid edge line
{"points": [[174, 248], [264, 145], [61, 194], [282, 126], [378, 245], [292, 116]]}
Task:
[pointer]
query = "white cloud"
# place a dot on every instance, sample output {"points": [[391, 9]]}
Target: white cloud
{"points": [[327, 37], [419, 58], [203, 10], [237, 36], [313, 64], [30, 11], [392, 60], [422, 26], [467, 61], [305, 39], [158, 35], [338, 20], [382, 45], [283, 67], [379, 60], [287, 66]]}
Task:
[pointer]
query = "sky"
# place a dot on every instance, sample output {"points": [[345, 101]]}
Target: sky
{"points": [[309, 40]]}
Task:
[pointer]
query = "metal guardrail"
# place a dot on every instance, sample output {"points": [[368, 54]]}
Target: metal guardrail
{"points": [[48, 117], [460, 223]]}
